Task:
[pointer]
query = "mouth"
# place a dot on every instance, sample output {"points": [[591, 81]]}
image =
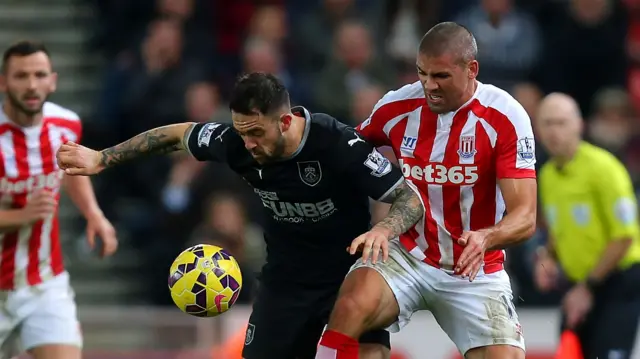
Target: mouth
{"points": [[435, 99], [32, 101]]}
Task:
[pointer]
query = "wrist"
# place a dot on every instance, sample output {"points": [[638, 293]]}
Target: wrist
{"points": [[93, 214], [489, 238], [384, 230], [591, 284]]}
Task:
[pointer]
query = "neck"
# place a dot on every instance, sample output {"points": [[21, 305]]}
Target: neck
{"points": [[471, 90], [293, 137], [564, 158], [19, 117]]}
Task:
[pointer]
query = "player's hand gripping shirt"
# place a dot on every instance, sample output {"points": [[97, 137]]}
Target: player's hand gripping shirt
{"points": [[454, 160], [28, 164], [316, 201], [588, 203]]}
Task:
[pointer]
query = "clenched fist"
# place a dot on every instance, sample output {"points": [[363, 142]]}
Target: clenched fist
{"points": [[77, 160]]}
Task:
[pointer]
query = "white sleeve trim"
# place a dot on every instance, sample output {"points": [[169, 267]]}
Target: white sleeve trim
{"points": [[386, 194]]}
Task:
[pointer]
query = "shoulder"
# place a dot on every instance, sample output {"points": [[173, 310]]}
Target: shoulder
{"points": [[503, 103], [396, 103], [206, 132], [62, 117], [53, 111], [501, 110], [327, 129], [598, 158]]}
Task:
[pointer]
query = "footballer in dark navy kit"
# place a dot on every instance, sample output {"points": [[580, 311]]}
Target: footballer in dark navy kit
{"points": [[314, 176]]}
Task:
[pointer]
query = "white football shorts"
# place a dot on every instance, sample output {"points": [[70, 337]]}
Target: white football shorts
{"points": [[473, 314], [38, 315]]}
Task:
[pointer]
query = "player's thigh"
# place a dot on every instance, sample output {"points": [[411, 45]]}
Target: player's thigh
{"points": [[56, 351], [478, 316], [52, 329], [614, 330], [392, 291], [275, 323]]}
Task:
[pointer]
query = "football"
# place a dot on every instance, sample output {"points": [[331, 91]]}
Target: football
{"points": [[205, 280]]}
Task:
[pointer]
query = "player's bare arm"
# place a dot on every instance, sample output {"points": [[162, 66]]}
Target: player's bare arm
{"points": [[406, 210], [81, 192], [519, 224], [75, 159], [157, 141]]}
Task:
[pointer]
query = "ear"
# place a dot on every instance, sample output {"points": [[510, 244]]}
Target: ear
{"points": [[285, 121], [474, 67], [54, 82]]}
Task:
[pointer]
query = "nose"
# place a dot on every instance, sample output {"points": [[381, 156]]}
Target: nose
{"points": [[32, 83], [249, 144], [430, 84]]}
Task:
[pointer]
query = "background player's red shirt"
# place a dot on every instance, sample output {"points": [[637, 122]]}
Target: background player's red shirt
{"points": [[32, 254], [454, 161]]}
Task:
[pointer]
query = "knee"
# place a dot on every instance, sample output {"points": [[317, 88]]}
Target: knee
{"points": [[355, 305], [357, 300]]}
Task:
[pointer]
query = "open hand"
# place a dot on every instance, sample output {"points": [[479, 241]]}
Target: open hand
{"points": [[78, 160], [101, 227], [472, 257], [371, 244], [546, 272], [577, 304]]}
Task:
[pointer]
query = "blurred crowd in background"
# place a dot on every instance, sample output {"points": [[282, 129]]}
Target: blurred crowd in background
{"points": [[176, 60]]}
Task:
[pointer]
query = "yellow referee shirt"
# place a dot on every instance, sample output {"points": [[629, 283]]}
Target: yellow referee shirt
{"points": [[588, 203]]}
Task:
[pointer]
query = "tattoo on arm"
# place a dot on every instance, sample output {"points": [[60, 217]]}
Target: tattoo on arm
{"points": [[153, 142], [406, 210]]}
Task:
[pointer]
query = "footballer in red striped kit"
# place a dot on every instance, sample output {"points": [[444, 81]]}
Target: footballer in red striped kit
{"points": [[42, 322], [468, 149]]}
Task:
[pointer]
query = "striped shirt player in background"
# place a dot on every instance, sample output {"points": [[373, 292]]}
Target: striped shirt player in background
{"points": [[37, 309], [468, 149]]}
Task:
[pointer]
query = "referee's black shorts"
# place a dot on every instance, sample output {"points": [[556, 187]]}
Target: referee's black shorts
{"points": [[610, 329]]}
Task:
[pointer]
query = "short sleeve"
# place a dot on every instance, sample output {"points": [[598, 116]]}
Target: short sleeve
{"points": [[209, 141], [392, 107], [361, 163], [515, 143], [615, 193]]}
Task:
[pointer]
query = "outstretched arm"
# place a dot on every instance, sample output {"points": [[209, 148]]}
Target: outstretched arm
{"points": [[204, 141], [159, 140], [406, 210]]}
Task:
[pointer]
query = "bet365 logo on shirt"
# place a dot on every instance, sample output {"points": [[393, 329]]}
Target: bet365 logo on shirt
{"points": [[440, 174]]}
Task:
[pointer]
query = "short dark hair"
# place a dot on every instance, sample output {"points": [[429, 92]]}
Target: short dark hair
{"points": [[449, 37], [258, 93], [21, 49]]}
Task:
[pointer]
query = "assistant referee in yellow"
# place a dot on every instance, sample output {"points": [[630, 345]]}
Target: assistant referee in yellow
{"points": [[593, 250]]}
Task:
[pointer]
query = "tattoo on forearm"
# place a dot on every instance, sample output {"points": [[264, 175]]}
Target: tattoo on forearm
{"points": [[152, 142], [406, 210]]}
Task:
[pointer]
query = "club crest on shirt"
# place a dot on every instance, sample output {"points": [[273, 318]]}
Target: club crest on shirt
{"points": [[467, 147], [249, 336], [526, 149], [310, 172]]}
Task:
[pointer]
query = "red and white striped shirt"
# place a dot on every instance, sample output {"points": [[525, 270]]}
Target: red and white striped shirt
{"points": [[454, 161], [32, 254]]}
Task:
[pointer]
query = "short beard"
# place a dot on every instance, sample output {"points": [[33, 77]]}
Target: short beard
{"points": [[16, 104], [278, 150]]}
